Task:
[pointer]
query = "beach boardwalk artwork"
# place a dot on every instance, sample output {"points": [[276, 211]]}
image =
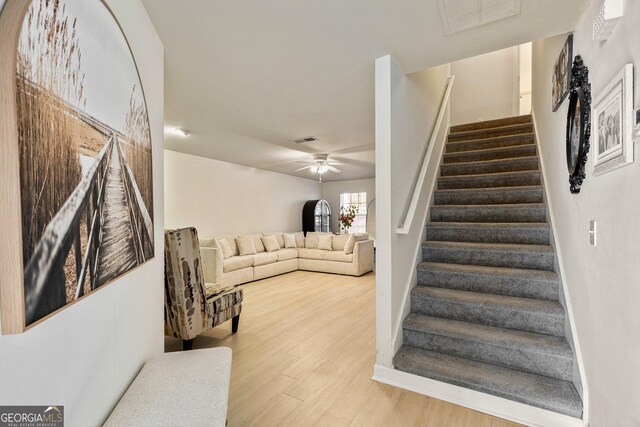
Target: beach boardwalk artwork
{"points": [[85, 154]]}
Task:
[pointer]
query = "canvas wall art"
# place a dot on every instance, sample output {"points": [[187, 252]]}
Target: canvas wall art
{"points": [[85, 159], [613, 123], [561, 76]]}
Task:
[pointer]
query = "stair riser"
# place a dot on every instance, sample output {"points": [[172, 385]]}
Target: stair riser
{"points": [[493, 214], [490, 133], [561, 398], [522, 259], [553, 366], [524, 164], [485, 144], [502, 317], [534, 236], [491, 124], [515, 287], [489, 181], [488, 197], [479, 156]]}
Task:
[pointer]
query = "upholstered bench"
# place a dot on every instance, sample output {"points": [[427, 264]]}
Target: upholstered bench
{"points": [[189, 388]]}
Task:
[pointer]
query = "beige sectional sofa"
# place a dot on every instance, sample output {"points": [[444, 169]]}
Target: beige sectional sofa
{"points": [[236, 269]]}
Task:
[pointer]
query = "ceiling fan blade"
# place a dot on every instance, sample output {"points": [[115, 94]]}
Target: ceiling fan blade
{"points": [[332, 169], [305, 161], [305, 167]]}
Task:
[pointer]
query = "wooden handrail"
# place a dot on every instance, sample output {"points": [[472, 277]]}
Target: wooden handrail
{"points": [[405, 226], [44, 277]]}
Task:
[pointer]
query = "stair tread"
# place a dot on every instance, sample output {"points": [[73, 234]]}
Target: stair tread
{"points": [[536, 390], [493, 138], [492, 335], [494, 206], [518, 126], [553, 308], [496, 247], [478, 270], [489, 225], [493, 161], [489, 189], [521, 147], [486, 175]]}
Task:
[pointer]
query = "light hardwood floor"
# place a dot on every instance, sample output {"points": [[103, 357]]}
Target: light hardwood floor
{"points": [[304, 356]]}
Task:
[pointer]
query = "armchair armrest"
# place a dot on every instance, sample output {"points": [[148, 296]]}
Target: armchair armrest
{"points": [[212, 261], [363, 256]]}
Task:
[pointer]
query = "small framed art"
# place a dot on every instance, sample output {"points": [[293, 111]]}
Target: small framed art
{"points": [[613, 123], [561, 77]]}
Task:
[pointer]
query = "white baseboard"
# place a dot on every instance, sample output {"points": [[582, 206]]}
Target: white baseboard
{"points": [[492, 405]]}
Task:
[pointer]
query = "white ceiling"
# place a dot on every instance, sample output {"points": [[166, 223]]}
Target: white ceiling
{"points": [[247, 77]]}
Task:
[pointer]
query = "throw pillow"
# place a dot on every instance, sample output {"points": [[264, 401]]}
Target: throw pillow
{"points": [[227, 252], [353, 239], [270, 243], [324, 242], [246, 246], [289, 240], [311, 240]]}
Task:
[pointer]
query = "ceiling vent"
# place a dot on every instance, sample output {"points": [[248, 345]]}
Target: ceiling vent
{"points": [[307, 139], [461, 15]]}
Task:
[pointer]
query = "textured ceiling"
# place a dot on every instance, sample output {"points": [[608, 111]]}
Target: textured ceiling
{"points": [[247, 77]]}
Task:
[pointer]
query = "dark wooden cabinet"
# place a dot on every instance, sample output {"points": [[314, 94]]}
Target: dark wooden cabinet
{"points": [[316, 216]]}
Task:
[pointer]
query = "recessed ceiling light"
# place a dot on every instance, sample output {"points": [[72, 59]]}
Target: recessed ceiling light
{"points": [[178, 131]]}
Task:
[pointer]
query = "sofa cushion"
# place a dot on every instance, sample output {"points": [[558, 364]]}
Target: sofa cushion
{"points": [[353, 239], [264, 258], [225, 247], [257, 241], [289, 240], [338, 242], [207, 243], [311, 253], [311, 240], [246, 246], [270, 243], [232, 244], [237, 263], [324, 242], [339, 256], [285, 254], [277, 235], [299, 239]]}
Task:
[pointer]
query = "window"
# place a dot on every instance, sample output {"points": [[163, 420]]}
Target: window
{"points": [[360, 201]]}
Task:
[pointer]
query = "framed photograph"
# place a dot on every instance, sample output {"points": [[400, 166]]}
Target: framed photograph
{"points": [[76, 154], [562, 74], [613, 123]]}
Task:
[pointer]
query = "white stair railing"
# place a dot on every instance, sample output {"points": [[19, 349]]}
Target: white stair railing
{"points": [[405, 226]]}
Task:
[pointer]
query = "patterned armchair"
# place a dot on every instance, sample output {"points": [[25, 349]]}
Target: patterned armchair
{"points": [[190, 305]]}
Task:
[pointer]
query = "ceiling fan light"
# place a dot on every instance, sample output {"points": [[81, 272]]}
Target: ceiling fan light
{"points": [[322, 169], [314, 168]]}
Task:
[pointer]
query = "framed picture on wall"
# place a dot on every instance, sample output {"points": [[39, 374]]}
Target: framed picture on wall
{"points": [[613, 123], [561, 76], [81, 161]]}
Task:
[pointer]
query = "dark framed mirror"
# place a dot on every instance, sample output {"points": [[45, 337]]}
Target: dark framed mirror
{"points": [[578, 124]]}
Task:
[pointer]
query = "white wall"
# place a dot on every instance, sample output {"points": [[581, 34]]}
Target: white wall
{"points": [[221, 198], [406, 110], [331, 191], [602, 282], [485, 87], [85, 356]]}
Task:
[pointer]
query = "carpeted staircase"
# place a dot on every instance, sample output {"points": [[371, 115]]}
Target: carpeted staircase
{"points": [[485, 314]]}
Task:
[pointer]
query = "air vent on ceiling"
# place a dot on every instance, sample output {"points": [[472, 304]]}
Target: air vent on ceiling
{"points": [[307, 139], [461, 15]]}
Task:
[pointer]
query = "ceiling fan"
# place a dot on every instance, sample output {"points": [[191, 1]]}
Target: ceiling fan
{"points": [[320, 164]]}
